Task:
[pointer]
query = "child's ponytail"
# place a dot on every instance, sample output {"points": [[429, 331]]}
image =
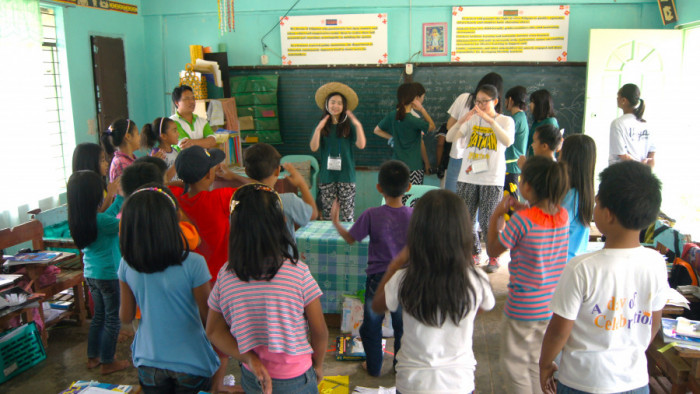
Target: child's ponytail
{"points": [[151, 132], [631, 92], [405, 94], [548, 179], [113, 137]]}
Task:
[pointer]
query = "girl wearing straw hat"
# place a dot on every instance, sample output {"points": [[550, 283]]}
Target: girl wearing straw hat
{"points": [[334, 135]]}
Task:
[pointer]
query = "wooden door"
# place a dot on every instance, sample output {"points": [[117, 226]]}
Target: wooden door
{"points": [[109, 69]]}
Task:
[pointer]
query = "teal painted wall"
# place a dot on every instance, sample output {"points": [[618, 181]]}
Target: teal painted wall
{"points": [[688, 11], [181, 23], [79, 24]]}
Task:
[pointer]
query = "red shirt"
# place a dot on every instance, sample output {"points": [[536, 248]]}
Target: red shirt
{"points": [[209, 212]]}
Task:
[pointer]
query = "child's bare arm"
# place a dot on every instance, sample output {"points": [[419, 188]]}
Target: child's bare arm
{"points": [[127, 306], [655, 324], [220, 336], [335, 216], [201, 295], [555, 337], [298, 181], [494, 248], [319, 335]]}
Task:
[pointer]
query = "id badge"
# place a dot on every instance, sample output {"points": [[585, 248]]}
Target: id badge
{"points": [[334, 163], [480, 166]]}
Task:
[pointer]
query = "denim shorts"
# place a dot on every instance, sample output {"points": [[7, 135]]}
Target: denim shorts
{"points": [[302, 384], [161, 381]]}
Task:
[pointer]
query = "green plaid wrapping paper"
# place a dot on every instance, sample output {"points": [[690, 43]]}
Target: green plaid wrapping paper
{"points": [[338, 268]]}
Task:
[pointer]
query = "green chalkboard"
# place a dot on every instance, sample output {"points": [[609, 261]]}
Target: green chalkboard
{"points": [[376, 88]]}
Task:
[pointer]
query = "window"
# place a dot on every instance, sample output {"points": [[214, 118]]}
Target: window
{"points": [[53, 96], [37, 132]]}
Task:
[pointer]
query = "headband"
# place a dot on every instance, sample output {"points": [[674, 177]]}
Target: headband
{"points": [[255, 186], [157, 190], [160, 128]]}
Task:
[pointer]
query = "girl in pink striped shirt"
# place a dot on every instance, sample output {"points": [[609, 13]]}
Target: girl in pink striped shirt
{"points": [[538, 238], [264, 300]]}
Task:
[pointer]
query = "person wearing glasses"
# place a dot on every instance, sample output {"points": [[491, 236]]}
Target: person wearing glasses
{"points": [[192, 129], [484, 134]]}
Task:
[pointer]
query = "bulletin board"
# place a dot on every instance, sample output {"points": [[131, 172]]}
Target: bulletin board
{"points": [[510, 34], [334, 39]]}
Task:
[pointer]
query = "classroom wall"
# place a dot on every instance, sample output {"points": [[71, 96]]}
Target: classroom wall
{"points": [[688, 11], [181, 23], [79, 24]]}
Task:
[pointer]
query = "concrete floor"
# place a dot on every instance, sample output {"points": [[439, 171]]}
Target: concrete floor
{"points": [[67, 349]]}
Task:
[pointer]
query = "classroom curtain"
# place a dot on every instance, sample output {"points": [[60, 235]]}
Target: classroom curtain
{"points": [[24, 182]]}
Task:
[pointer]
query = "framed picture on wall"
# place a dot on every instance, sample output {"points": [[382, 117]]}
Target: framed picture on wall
{"points": [[435, 39]]}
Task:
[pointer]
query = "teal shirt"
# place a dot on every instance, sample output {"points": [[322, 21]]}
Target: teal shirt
{"points": [[534, 126], [334, 146], [101, 258], [519, 146], [408, 134]]}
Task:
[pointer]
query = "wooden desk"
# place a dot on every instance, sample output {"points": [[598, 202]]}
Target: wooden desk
{"points": [[71, 276]]}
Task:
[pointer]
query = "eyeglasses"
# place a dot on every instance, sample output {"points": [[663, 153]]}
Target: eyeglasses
{"points": [[255, 186], [480, 102]]}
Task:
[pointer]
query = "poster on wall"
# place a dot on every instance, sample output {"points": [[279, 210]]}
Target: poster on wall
{"points": [[334, 39], [511, 34], [108, 5]]}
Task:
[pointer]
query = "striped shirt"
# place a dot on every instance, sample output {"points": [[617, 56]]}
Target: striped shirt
{"points": [[119, 162], [538, 244], [267, 313]]}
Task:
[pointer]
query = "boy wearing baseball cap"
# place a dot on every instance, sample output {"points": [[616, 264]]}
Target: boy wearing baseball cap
{"points": [[208, 210]]}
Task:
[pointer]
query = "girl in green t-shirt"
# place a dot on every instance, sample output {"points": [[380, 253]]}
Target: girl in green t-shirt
{"points": [[334, 136], [542, 110], [407, 130]]}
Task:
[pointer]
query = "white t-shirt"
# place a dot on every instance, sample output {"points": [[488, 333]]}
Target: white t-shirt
{"points": [[457, 110], [611, 295], [438, 359], [480, 143], [628, 136]]}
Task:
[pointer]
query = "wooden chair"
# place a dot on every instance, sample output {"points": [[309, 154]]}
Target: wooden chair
{"points": [[68, 278]]}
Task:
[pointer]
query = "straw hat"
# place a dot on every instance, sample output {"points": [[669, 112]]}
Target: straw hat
{"points": [[336, 87]]}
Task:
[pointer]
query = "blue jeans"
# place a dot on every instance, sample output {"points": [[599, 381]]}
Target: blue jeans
{"points": [[562, 389], [163, 381], [302, 384], [105, 324], [453, 168], [371, 328]]}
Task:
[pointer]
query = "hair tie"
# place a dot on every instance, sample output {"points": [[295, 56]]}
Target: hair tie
{"points": [[109, 130], [158, 190], [255, 186], [160, 128]]}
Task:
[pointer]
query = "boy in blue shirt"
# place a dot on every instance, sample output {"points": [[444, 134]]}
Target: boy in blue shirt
{"points": [[387, 227]]}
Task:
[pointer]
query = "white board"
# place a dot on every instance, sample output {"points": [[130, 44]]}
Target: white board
{"points": [[510, 34], [334, 39]]}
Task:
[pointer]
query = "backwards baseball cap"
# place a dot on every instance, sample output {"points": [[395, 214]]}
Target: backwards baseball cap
{"points": [[193, 163]]}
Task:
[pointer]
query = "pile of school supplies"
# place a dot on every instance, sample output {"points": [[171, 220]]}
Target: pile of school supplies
{"points": [[94, 387], [31, 258], [349, 348], [334, 385], [675, 298], [677, 338]]}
